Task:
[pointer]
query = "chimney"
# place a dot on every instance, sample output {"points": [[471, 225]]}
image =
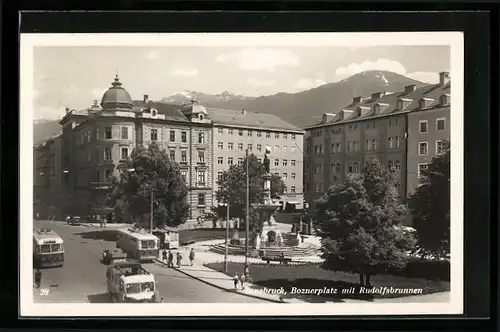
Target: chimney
{"points": [[67, 110], [444, 78], [243, 111], [377, 95], [356, 100], [327, 117], [146, 99], [409, 88]]}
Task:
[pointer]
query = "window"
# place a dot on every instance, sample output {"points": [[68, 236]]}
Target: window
{"points": [[230, 132], [240, 132], [420, 169], [183, 137], [220, 145], [107, 154], [439, 147], [293, 136], [317, 168], [353, 168], [154, 134], [240, 161], [422, 148], [389, 164], [107, 174], [268, 135], [201, 138], [276, 135], [285, 162], [172, 155], [183, 156], [285, 136], [230, 160], [390, 142], [240, 146], [249, 147], [285, 176], [249, 133], [276, 162], [107, 133], [259, 147], [422, 126], [292, 189], [184, 175], [230, 146], [220, 160], [124, 153], [259, 133], [124, 133], [337, 168], [172, 136], [374, 144], [398, 141], [201, 178], [219, 175], [201, 199], [293, 149], [349, 146], [440, 124], [397, 165], [292, 176], [220, 131], [285, 189], [276, 148], [285, 148], [292, 163], [201, 156], [336, 148], [277, 173]]}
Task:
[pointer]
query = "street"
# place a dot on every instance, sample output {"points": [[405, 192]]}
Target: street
{"points": [[82, 278]]}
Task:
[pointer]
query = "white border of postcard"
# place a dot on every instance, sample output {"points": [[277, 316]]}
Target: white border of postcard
{"points": [[30, 41]]}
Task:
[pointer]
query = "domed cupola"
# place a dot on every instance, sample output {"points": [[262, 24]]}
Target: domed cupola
{"points": [[116, 98]]}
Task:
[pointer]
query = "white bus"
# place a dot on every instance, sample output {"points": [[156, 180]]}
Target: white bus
{"points": [[48, 248], [128, 281], [138, 245]]}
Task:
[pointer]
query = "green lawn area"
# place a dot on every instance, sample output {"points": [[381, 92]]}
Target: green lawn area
{"points": [[201, 234], [314, 277]]}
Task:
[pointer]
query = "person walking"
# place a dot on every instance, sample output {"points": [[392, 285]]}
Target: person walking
{"points": [[179, 259], [191, 256], [236, 279], [242, 281], [170, 259], [38, 278], [164, 255]]}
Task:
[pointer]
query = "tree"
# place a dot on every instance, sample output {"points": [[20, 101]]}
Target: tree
{"points": [[151, 170], [430, 206], [232, 188], [358, 223]]}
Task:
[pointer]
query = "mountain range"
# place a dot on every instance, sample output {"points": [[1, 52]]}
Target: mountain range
{"points": [[301, 109]]}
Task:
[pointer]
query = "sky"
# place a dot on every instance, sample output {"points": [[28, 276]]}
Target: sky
{"points": [[74, 76]]}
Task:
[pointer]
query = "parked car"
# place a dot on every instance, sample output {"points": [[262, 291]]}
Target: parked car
{"points": [[75, 220]]}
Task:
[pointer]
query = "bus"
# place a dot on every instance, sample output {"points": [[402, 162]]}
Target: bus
{"points": [[138, 245], [169, 238], [48, 248], [128, 281]]}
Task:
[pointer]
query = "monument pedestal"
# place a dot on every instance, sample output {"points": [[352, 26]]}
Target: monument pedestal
{"points": [[270, 234]]}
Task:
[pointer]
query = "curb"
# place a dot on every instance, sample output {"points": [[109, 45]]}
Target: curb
{"points": [[219, 287]]}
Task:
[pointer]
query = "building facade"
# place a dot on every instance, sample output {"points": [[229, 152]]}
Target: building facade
{"points": [[236, 131], [384, 127]]}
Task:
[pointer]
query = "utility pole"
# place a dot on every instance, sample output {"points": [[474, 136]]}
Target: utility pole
{"points": [[152, 210], [227, 235], [247, 217]]}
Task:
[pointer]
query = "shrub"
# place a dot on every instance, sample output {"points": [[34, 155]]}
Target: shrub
{"points": [[426, 269]]}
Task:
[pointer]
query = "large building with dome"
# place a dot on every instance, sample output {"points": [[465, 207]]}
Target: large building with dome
{"points": [[74, 168]]}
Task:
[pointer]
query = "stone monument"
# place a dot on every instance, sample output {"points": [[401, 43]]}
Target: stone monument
{"points": [[270, 235]]}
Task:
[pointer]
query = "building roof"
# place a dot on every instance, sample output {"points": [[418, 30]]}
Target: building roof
{"points": [[172, 112], [249, 119], [431, 93], [116, 95]]}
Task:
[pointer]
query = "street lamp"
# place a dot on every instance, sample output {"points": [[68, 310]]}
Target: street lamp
{"points": [[247, 226], [132, 170], [227, 235]]}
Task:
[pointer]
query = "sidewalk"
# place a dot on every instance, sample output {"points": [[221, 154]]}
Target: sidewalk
{"points": [[98, 225], [224, 282]]}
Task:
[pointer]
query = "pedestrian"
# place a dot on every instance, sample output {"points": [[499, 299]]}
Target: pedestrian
{"points": [[242, 281], [179, 259], [191, 256], [236, 279], [170, 260], [164, 255], [38, 278]]}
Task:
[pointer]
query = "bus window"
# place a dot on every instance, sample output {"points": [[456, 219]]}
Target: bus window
{"points": [[37, 249], [55, 247], [45, 248], [148, 244]]}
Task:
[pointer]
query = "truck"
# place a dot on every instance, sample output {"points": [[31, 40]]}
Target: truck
{"points": [[128, 282]]}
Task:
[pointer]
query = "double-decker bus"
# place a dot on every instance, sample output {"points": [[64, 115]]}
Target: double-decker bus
{"points": [[138, 245], [48, 248]]}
